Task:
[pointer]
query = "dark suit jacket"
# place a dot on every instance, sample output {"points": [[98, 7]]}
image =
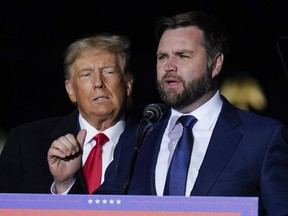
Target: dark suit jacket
{"points": [[247, 156], [23, 161]]}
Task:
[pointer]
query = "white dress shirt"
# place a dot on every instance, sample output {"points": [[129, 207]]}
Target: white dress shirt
{"points": [[207, 115], [113, 133]]}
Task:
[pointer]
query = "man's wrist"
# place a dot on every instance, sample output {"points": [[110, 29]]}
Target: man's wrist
{"points": [[64, 186]]}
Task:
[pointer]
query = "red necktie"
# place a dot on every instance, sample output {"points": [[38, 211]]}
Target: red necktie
{"points": [[93, 166]]}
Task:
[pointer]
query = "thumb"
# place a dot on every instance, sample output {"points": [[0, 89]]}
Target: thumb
{"points": [[81, 137]]}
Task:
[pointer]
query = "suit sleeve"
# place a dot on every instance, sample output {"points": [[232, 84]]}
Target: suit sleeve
{"points": [[274, 177], [10, 165]]}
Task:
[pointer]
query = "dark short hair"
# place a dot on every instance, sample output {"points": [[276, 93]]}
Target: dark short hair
{"points": [[216, 38]]}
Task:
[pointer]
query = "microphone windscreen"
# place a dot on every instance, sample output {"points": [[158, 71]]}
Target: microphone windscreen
{"points": [[155, 112]]}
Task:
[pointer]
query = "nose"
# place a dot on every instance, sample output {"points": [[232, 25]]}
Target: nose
{"points": [[170, 65], [98, 81]]}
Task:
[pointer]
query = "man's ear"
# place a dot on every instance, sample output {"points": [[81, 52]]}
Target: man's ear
{"points": [[218, 63], [70, 91], [129, 84]]}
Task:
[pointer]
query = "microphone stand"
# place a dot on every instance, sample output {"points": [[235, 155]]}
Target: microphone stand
{"points": [[136, 151], [278, 41]]}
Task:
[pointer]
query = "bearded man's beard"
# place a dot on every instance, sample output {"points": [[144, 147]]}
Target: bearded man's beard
{"points": [[192, 91]]}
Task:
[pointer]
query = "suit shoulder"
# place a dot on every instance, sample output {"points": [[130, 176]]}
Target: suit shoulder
{"points": [[261, 117], [47, 124], [249, 117], [39, 123]]}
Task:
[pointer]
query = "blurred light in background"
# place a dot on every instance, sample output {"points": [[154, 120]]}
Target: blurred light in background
{"points": [[244, 92]]}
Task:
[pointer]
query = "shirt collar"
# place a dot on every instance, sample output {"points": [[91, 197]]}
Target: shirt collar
{"points": [[206, 114], [112, 132]]}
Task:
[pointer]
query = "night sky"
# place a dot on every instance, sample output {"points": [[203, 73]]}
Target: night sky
{"points": [[35, 35]]}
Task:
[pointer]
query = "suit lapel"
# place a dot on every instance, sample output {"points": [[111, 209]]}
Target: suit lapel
{"points": [[223, 142], [147, 159], [67, 125]]}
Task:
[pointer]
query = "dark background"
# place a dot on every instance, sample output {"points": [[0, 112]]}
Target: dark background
{"points": [[34, 36]]}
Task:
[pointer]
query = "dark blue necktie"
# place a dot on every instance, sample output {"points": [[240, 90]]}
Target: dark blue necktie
{"points": [[177, 173]]}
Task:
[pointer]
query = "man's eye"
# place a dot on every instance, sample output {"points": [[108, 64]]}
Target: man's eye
{"points": [[161, 57], [108, 73], [183, 56], [84, 75]]}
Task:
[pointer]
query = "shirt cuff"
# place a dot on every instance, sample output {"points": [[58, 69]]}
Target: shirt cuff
{"points": [[53, 189]]}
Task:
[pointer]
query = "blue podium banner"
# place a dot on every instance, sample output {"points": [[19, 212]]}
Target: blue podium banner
{"points": [[124, 205]]}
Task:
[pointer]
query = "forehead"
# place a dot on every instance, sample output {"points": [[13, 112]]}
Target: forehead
{"points": [[95, 58], [96, 54], [185, 37]]}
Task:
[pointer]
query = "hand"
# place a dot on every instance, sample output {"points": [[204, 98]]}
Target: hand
{"points": [[65, 158]]}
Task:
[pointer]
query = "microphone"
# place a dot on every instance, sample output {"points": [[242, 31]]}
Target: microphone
{"points": [[152, 113], [155, 112]]}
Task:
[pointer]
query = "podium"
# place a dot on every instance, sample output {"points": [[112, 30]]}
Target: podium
{"points": [[125, 205]]}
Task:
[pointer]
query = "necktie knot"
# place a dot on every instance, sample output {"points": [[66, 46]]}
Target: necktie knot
{"points": [[187, 121], [100, 139]]}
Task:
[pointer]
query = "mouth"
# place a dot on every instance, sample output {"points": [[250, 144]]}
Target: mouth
{"points": [[171, 82], [101, 98]]}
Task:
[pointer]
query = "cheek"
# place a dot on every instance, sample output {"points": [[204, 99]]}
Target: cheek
{"points": [[159, 71], [119, 91], [159, 66], [82, 91]]}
